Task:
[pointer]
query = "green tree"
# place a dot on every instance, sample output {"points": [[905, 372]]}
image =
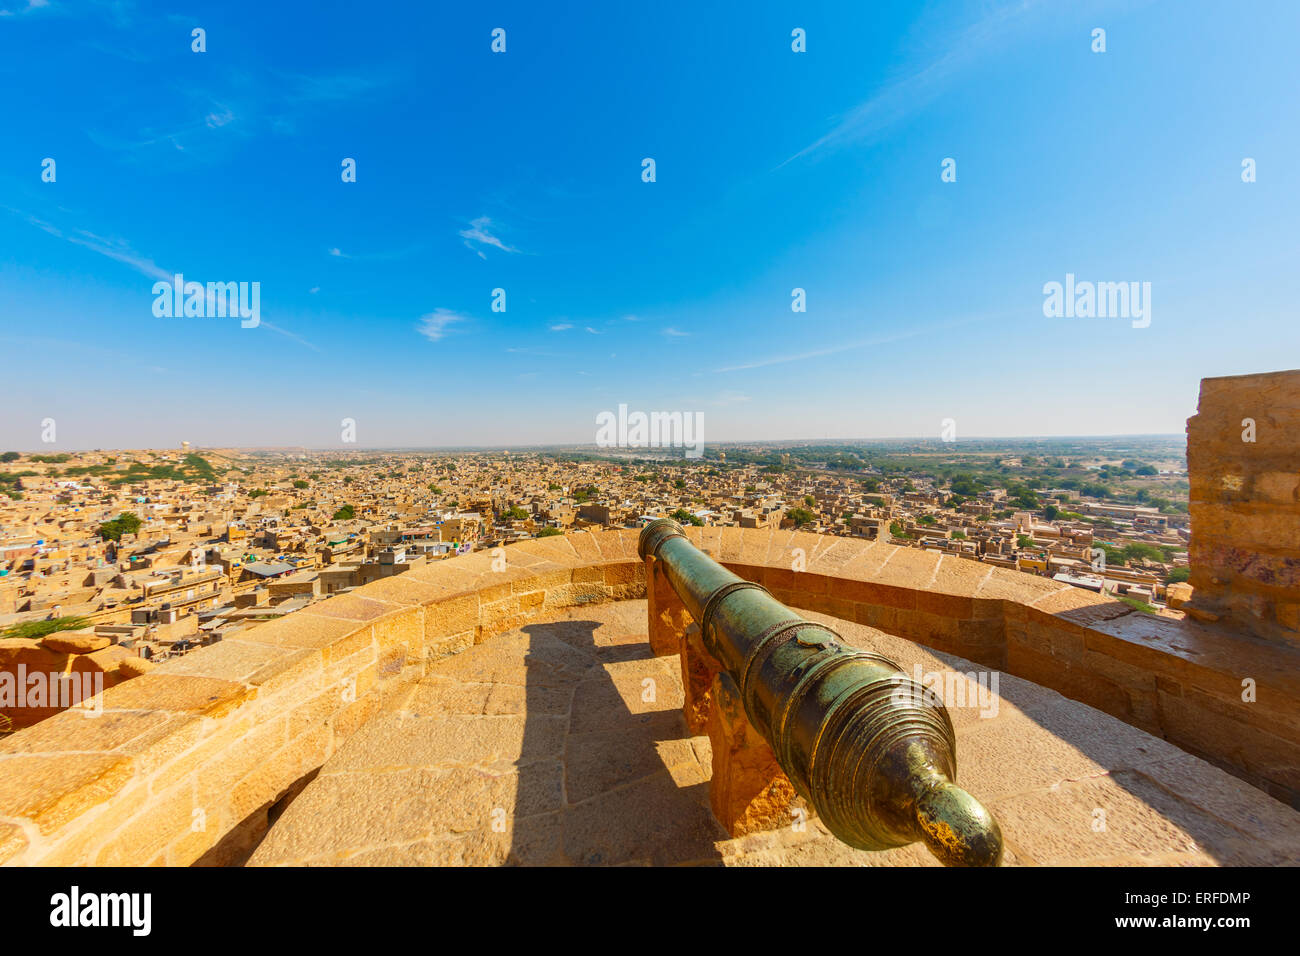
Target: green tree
{"points": [[346, 513], [549, 532], [800, 516], [966, 485], [300, 484], [1023, 495], [125, 523], [1137, 551], [1114, 556], [10, 456], [1178, 575], [682, 515]]}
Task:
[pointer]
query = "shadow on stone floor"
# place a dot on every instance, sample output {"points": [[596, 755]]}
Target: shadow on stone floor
{"points": [[631, 785], [1094, 789]]}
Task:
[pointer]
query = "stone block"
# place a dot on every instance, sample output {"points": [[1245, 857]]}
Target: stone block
{"points": [[668, 615], [748, 791], [699, 670]]}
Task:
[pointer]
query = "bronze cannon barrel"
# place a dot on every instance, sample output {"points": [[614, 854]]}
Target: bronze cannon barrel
{"points": [[870, 749]]}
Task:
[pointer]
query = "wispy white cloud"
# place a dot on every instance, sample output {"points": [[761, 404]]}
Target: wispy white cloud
{"points": [[338, 253], [479, 234], [817, 353], [117, 249], [121, 251], [289, 100], [32, 5], [287, 334], [219, 117], [247, 103], [561, 327], [592, 331], [209, 121], [730, 398], [913, 89], [434, 325], [542, 353], [673, 333], [299, 89], [864, 343]]}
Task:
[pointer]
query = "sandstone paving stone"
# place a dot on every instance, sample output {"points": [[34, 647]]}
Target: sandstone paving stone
{"points": [[536, 747], [227, 660], [651, 819], [208, 696], [1012, 754], [1228, 798], [84, 730], [1120, 814], [517, 658], [597, 762], [51, 789], [400, 741], [1102, 737], [12, 840]]}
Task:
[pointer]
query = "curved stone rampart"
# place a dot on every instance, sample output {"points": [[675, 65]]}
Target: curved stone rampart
{"points": [[189, 763]]}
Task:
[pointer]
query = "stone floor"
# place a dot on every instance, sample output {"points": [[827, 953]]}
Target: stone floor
{"points": [[563, 743]]}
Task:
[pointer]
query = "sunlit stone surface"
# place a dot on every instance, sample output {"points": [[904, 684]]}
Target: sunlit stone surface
{"points": [[562, 742]]}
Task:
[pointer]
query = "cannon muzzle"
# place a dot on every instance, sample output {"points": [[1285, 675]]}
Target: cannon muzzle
{"points": [[869, 748]]}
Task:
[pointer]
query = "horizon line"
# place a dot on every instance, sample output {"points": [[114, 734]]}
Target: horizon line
{"points": [[615, 451]]}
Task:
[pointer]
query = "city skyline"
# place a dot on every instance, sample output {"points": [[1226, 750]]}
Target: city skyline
{"points": [[775, 170], [663, 451]]}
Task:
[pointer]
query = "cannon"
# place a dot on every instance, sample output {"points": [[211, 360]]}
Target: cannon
{"points": [[871, 750]]}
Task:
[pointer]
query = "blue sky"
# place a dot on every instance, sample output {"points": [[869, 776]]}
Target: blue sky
{"points": [[523, 171]]}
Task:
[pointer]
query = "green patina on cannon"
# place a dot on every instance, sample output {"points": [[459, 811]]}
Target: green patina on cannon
{"points": [[870, 749]]}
